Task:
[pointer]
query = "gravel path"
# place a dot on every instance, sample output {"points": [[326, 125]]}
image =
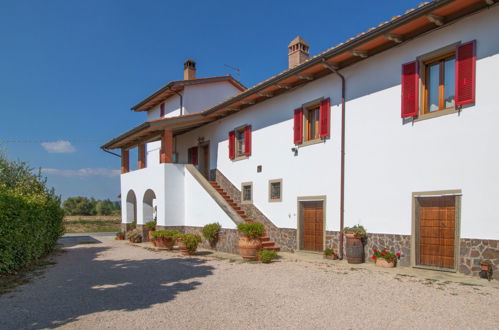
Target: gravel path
{"points": [[110, 284]]}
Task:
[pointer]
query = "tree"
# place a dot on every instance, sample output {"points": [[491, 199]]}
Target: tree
{"points": [[79, 206], [104, 207]]}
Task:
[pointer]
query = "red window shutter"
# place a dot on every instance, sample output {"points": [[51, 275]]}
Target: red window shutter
{"points": [[325, 118], [298, 119], [162, 110], [247, 140], [232, 144], [194, 155], [410, 89], [465, 73]]}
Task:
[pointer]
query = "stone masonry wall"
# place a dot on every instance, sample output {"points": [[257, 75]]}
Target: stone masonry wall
{"points": [[472, 251]]}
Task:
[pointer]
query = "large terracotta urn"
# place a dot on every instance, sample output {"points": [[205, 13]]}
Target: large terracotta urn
{"points": [[249, 247]]}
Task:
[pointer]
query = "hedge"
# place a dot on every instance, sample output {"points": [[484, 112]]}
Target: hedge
{"points": [[30, 225]]}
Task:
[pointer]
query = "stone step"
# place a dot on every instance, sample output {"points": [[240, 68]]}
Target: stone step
{"points": [[268, 244]]}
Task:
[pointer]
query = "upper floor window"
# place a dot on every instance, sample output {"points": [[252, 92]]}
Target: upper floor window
{"points": [[312, 122], [448, 82], [275, 190], [439, 83], [240, 142]]}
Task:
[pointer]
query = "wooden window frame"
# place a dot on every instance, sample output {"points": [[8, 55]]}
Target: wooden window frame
{"points": [[241, 155], [430, 57], [275, 200], [441, 92], [314, 105], [244, 184]]}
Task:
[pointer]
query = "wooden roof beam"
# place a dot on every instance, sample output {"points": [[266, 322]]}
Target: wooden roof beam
{"points": [[359, 53], [394, 37], [329, 65], [248, 102], [489, 2], [435, 19], [283, 86], [305, 76], [265, 94]]}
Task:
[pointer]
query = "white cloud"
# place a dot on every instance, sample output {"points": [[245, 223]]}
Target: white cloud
{"points": [[82, 172], [58, 147]]}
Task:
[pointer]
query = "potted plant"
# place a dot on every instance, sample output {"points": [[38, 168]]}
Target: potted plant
{"points": [[355, 236], [120, 236], [250, 239], [266, 256], [385, 258], [150, 227], [165, 238], [211, 233], [330, 254], [188, 243], [133, 225], [135, 237]]}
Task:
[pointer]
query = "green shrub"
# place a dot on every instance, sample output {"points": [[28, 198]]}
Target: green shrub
{"points": [[191, 241], [266, 256], [31, 219], [359, 230], [135, 237], [251, 229], [133, 225], [211, 231], [29, 228], [168, 234], [151, 225], [328, 252]]}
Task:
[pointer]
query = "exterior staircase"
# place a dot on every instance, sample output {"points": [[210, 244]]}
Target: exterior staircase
{"points": [[267, 244]]}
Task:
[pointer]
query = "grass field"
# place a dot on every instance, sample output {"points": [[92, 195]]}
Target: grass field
{"points": [[91, 226]]}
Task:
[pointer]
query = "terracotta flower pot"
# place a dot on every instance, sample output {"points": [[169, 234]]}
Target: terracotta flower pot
{"points": [[249, 247], [183, 249], [165, 243], [381, 262], [120, 237], [333, 256], [149, 235]]}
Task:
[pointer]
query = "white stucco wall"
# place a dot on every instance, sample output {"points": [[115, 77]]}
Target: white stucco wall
{"points": [[386, 160], [180, 199], [200, 208]]}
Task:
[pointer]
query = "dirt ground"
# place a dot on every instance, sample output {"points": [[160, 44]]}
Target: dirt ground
{"points": [[102, 283]]}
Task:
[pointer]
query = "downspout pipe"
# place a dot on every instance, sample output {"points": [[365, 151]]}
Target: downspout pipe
{"points": [[181, 101], [342, 170], [110, 152]]}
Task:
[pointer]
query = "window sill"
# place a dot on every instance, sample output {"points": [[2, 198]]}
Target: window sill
{"points": [[311, 142], [246, 202], [275, 200], [435, 114], [240, 158]]}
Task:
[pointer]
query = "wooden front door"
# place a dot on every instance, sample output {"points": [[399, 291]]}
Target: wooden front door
{"points": [[313, 226], [437, 231], [204, 164]]}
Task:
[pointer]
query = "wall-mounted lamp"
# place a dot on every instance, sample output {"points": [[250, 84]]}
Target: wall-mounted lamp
{"points": [[295, 150]]}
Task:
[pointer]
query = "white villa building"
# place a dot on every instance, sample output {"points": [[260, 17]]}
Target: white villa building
{"points": [[393, 129]]}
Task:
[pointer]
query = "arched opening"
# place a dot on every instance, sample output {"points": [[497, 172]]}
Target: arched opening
{"points": [[131, 207], [148, 206]]}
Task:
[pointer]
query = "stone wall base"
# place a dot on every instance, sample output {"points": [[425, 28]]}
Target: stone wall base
{"points": [[472, 251]]}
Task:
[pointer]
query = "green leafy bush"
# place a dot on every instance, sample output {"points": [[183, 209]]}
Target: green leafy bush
{"points": [[191, 241], [133, 225], [167, 234], [31, 219], [151, 225], [358, 230], [266, 256], [251, 229], [211, 231], [135, 237]]}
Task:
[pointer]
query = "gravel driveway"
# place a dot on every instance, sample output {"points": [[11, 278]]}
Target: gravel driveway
{"points": [[110, 284]]}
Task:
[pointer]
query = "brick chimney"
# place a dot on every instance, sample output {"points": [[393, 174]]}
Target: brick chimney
{"points": [[189, 70], [297, 52]]}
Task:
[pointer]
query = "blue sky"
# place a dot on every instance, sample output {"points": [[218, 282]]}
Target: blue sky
{"points": [[71, 70]]}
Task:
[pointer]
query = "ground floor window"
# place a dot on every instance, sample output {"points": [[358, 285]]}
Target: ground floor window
{"points": [[275, 190], [247, 193]]}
